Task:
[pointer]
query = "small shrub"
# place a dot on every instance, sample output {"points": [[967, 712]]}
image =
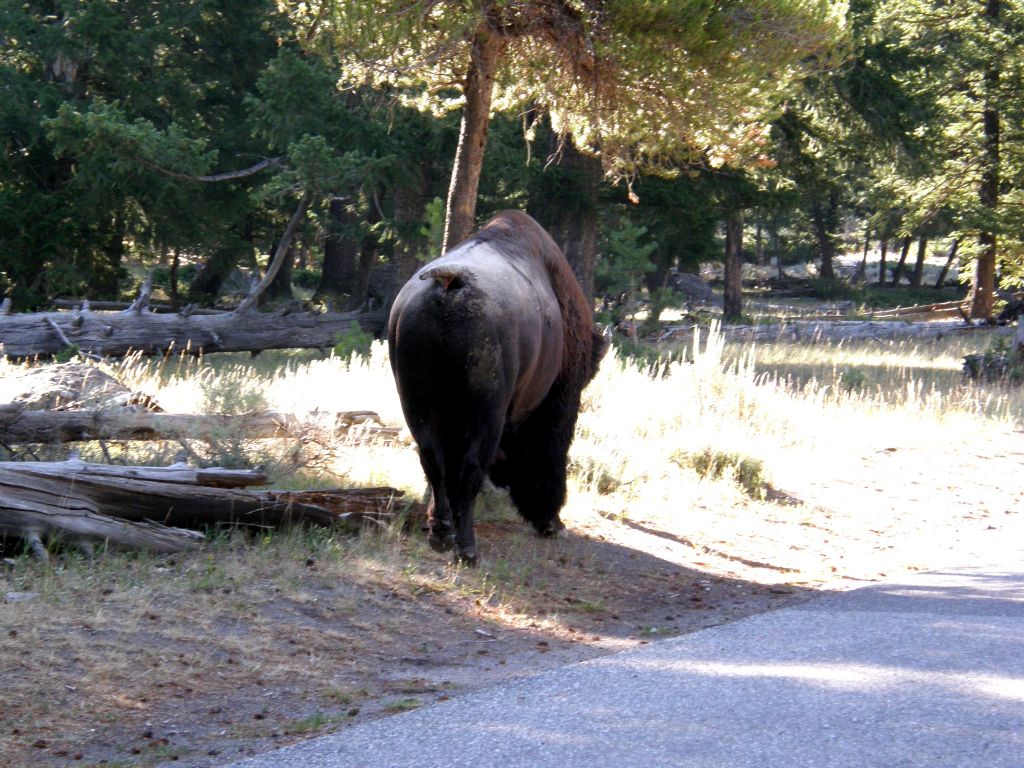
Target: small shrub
{"points": [[1000, 363], [852, 379], [232, 394], [661, 300], [591, 472], [355, 341], [161, 277], [621, 267], [308, 279], [709, 463], [646, 357], [67, 354]]}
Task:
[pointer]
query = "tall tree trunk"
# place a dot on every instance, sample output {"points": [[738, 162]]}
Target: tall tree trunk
{"points": [[340, 254], [574, 225], [207, 284], [922, 253], [861, 274], [281, 254], [368, 251], [901, 265], [776, 246], [478, 89], [733, 304], [983, 283], [954, 246], [825, 223], [107, 272], [884, 248], [279, 291], [172, 289], [759, 238], [410, 210]]}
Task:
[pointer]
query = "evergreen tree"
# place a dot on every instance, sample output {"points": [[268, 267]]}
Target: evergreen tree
{"points": [[974, 82], [643, 82], [111, 114]]}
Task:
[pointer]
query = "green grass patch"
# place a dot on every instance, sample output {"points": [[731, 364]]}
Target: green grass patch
{"points": [[747, 472]]}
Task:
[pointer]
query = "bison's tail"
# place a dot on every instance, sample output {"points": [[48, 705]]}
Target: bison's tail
{"points": [[447, 276]]}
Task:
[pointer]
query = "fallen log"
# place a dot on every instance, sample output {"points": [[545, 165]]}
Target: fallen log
{"points": [[41, 511], [935, 310], [160, 508], [21, 425], [115, 334], [841, 330]]}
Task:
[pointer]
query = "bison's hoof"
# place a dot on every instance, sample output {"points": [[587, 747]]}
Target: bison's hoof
{"points": [[438, 543], [550, 528], [468, 556]]}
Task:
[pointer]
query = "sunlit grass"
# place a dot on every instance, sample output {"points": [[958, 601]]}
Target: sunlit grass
{"points": [[738, 399], [762, 401]]}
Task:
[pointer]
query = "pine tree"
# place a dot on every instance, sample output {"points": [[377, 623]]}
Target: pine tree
{"points": [[643, 83]]}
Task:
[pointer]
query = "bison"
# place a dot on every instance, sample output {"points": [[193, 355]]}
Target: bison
{"points": [[491, 345]]}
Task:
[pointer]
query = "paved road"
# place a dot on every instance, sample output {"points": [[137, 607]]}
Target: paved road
{"points": [[925, 671]]}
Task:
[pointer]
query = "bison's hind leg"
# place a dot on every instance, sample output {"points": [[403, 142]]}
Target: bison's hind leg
{"points": [[536, 458], [440, 525]]}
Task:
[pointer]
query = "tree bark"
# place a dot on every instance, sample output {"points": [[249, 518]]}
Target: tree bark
{"points": [[897, 273], [97, 503], [410, 210], [884, 251], [368, 250], [206, 286], [759, 238], [776, 247], [950, 255], [818, 330], [825, 220], [116, 334], [922, 253], [340, 253], [21, 425], [282, 253], [733, 299], [574, 225], [983, 284], [172, 290], [478, 88], [279, 290], [861, 274]]}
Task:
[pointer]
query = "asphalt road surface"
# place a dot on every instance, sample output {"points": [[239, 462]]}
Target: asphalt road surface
{"points": [[925, 671]]}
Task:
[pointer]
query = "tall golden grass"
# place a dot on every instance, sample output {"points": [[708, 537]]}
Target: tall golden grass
{"points": [[638, 424]]}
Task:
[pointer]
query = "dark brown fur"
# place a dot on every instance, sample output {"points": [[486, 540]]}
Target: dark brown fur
{"points": [[500, 295]]}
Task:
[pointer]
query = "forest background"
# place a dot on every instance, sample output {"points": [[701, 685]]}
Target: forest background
{"points": [[181, 138], [194, 142]]}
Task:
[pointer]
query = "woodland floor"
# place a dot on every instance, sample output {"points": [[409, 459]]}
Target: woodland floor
{"points": [[119, 671]]}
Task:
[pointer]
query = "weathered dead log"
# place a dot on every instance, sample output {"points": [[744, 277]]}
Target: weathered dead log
{"points": [[109, 306], [20, 425], [146, 507], [115, 334], [840, 330], [924, 311], [174, 474]]}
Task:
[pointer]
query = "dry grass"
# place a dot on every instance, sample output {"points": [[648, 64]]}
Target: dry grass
{"points": [[700, 493]]}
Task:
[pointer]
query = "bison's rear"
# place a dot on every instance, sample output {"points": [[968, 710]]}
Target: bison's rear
{"points": [[491, 346]]}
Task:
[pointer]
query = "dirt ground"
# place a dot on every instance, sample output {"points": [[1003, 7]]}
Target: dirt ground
{"points": [[205, 683]]}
